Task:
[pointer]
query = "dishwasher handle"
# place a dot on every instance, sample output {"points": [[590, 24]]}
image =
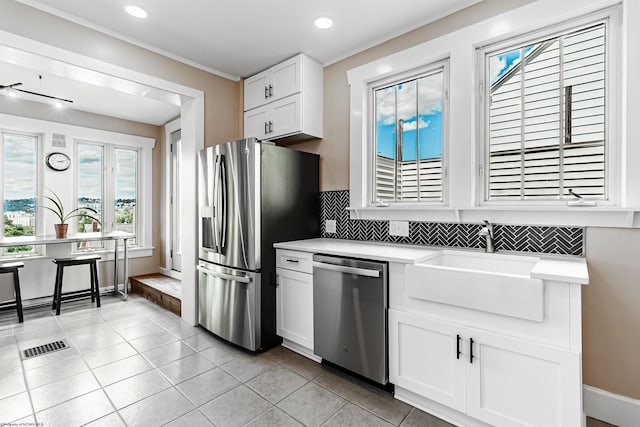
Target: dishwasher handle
{"points": [[346, 269]]}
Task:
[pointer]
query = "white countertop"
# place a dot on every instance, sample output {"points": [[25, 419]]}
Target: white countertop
{"points": [[379, 251], [572, 270]]}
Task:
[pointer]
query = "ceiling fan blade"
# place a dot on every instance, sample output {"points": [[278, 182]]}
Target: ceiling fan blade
{"points": [[10, 86]]}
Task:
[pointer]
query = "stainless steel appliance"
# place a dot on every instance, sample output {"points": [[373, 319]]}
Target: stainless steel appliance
{"points": [[251, 195], [350, 314]]}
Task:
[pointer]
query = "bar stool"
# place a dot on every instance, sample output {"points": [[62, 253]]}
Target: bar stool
{"points": [[94, 291], [12, 267]]}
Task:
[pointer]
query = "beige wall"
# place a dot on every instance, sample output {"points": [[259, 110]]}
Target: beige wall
{"points": [[40, 111], [222, 121], [334, 148], [611, 317], [223, 106]]}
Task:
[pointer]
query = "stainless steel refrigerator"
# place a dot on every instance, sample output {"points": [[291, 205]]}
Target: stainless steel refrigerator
{"points": [[251, 194]]}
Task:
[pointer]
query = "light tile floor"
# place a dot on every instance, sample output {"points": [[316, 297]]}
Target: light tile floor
{"points": [[134, 364]]}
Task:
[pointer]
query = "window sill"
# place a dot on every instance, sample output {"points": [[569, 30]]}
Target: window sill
{"points": [[581, 216], [106, 254], [132, 252]]}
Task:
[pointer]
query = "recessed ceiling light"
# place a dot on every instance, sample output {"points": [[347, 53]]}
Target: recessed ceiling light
{"points": [[323, 22], [12, 93], [58, 104], [136, 11]]}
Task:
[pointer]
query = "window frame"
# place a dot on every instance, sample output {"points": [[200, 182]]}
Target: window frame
{"points": [[109, 185], [415, 73], [39, 214], [99, 245], [612, 142], [133, 243]]}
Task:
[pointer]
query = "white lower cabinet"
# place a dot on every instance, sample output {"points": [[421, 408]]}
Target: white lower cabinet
{"points": [[423, 359], [493, 378], [294, 310]]}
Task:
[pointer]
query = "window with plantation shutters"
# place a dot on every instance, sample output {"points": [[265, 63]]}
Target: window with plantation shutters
{"points": [[544, 118], [408, 136]]}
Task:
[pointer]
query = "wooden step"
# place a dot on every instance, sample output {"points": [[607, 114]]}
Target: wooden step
{"points": [[159, 289]]}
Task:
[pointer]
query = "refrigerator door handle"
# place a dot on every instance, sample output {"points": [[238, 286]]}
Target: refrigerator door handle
{"points": [[223, 179], [240, 279], [216, 209], [219, 208]]}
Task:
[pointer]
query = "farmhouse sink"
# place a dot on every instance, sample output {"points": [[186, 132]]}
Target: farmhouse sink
{"points": [[490, 282]]}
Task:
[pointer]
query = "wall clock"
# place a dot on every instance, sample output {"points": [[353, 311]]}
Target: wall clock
{"points": [[58, 161]]}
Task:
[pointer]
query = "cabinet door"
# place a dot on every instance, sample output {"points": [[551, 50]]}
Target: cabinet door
{"points": [[286, 116], [256, 90], [285, 78], [256, 122], [294, 307], [513, 382], [423, 358]]}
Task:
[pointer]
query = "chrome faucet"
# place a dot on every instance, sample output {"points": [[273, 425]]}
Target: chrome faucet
{"points": [[487, 232]]}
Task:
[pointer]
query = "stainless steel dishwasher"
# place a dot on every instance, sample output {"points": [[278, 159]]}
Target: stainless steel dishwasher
{"points": [[350, 314]]}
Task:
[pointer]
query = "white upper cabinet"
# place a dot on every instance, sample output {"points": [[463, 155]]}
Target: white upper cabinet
{"points": [[285, 101], [275, 83]]}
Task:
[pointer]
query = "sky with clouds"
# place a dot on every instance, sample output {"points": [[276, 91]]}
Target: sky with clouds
{"points": [[90, 171], [125, 173], [399, 102], [19, 178]]}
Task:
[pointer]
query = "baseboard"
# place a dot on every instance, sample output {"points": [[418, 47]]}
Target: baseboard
{"points": [[612, 408]]}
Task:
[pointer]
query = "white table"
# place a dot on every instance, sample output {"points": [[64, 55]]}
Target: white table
{"points": [[82, 237]]}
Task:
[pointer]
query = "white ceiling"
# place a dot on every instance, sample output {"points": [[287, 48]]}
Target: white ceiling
{"points": [[238, 38], [89, 90], [232, 38]]}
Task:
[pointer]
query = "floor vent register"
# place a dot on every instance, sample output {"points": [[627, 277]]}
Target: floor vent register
{"points": [[44, 349]]}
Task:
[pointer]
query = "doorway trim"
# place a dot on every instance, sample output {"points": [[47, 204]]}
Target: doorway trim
{"points": [[167, 226]]}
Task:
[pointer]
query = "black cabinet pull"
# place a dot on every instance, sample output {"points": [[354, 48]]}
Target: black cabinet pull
{"points": [[270, 90], [293, 260], [270, 126], [266, 92], [470, 350], [457, 346], [266, 128]]}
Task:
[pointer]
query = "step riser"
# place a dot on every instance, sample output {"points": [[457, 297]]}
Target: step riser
{"points": [[165, 301]]}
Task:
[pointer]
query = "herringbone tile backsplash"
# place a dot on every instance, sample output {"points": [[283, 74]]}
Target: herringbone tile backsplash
{"points": [[521, 238]]}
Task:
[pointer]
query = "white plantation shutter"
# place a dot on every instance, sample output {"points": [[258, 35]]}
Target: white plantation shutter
{"points": [[546, 120], [404, 103], [430, 181]]}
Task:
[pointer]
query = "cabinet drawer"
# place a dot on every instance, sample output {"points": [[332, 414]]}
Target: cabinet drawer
{"points": [[294, 260]]}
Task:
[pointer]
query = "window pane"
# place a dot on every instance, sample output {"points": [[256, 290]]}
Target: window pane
{"points": [[430, 105], [19, 187], [409, 138], [385, 143], [126, 162], [546, 118], [406, 105], [90, 187]]}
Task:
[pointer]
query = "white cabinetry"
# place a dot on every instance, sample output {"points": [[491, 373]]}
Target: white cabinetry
{"points": [[478, 369], [285, 101], [294, 301], [497, 379]]}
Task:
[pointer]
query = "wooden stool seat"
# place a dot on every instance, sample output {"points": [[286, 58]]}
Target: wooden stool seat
{"points": [[12, 267], [94, 290]]}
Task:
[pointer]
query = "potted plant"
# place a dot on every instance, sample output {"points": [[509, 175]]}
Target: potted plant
{"points": [[58, 209]]}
